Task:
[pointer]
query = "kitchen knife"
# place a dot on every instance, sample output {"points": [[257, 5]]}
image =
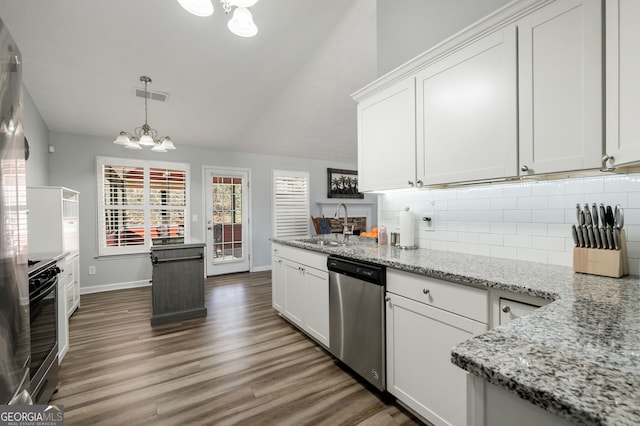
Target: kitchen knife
{"points": [[594, 215], [610, 237], [583, 229], [596, 237], [616, 238], [592, 238], [618, 217], [603, 237], [603, 215], [578, 210], [574, 234], [609, 217], [587, 215], [580, 236]]}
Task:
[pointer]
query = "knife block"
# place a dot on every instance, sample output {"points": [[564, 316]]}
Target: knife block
{"points": [[608, 263]]}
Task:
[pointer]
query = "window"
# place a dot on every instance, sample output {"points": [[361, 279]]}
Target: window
{"points": [[290, 203], [138, 201]]}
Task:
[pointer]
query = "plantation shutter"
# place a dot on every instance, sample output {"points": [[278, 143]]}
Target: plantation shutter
{"points": [[138, 201], [290, 203]]}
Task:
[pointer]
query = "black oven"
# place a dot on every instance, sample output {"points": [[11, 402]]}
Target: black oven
{"points": [[43, 305]]}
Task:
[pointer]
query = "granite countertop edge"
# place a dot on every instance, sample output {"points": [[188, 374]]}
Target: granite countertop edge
{"points": [[577, 357]]}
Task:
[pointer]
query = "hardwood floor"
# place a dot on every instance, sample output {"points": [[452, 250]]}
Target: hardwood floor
{"points": [[243, 364]]}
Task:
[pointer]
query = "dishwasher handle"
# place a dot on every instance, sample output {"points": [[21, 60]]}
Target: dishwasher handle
{"points": [[156, 261]]}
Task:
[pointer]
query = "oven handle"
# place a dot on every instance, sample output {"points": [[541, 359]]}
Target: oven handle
{"points": [[44, 293]]}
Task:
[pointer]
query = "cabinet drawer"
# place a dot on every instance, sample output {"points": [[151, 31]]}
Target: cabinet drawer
{"points": [[301, 256], [467, 301]]}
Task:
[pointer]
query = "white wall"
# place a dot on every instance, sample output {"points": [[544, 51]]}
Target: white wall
{"points": [[37, 133], [407, 28], [527, 221], [73, 165]]}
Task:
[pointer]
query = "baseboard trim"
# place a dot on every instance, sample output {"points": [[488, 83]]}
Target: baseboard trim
{"points": [[261, 268], [114, 286]]}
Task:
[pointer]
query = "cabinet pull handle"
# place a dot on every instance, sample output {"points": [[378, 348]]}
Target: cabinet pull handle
{"points": [[506, 309], [524, 168], [419, 184], [425, 291], [387, 299], [410, 182]]}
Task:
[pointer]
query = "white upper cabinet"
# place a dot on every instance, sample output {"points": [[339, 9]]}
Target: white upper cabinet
{"points": [[623, 82], [467, 112], [560, 87], [387, 138]]}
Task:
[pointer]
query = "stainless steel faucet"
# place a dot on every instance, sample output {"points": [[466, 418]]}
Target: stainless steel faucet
{"points": [[345, 228]]}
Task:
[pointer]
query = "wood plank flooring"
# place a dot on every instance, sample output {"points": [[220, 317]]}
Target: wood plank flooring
{"points": [[243, 364]]}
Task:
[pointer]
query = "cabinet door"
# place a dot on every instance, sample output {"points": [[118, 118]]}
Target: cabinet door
{"points": [[295, 290], [419, 368], [560, 87], [277, 285], [623, 84], [317, 305], [467, 112], [387, 138], [62, 321], [511, 310]]}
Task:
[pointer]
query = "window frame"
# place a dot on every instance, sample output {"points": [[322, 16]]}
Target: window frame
{"points": [[146, 207]]}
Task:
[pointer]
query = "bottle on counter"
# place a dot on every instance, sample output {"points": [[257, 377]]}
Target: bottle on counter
{"points": [[382, 235]]}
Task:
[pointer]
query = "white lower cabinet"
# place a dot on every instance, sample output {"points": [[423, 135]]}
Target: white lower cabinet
{"points": [[300, 290], [72, 266], [419, 341]]}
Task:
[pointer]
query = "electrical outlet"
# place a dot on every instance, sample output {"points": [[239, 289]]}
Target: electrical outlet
{"points": [[92, 270]]}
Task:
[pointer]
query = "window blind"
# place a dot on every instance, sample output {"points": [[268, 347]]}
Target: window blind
{"points": [[140, 200], [290, 203]]}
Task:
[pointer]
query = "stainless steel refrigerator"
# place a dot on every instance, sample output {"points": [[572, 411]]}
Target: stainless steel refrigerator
{"points": [[15, 347]]}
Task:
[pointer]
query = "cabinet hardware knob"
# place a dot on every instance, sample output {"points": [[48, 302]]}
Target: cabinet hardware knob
{"points": [[387, 299], [607, 157], [410, 182], [425, 290], [419, 184], [506, 309], [524, 168]]}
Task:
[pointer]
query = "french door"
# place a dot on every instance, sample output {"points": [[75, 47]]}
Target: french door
{"points": [[227, 220]]}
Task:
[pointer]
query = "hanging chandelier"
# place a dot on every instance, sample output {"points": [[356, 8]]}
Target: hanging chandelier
{"points": [[241, 22], [145, 135]]}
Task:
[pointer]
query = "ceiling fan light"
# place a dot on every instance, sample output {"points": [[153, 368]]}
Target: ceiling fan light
{"points": [[122, 139], [243, 3], [197, 7], [133, 144], [146, 140], [168, 144], [241, 24]]}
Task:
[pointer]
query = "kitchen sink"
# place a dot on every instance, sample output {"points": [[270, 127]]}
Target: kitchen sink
{"points": [[323, 242]]}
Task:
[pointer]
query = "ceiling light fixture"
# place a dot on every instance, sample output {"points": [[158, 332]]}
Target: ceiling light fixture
{"points": [[145, 135], [241, 22]]}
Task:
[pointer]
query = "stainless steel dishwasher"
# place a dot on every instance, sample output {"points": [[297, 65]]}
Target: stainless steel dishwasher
{"points": [[356, 317]]}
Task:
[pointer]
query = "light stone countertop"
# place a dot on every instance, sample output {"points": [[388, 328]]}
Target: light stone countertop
{"points": [[578, 357]]}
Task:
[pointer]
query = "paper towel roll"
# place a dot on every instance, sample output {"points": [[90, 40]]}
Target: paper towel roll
{"points": [[406, 228]]}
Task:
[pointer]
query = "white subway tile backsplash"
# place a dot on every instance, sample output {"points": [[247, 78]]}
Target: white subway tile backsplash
{"points": [[547, 188], [528, 220], [523, 241], [504, 203], [548, 216], [532, 229], [516, 215], [533, 203], [504, 227], [504, 252], [548, 243]]}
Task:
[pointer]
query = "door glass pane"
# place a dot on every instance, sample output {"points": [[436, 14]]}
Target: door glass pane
{"points": [[227, 218]]}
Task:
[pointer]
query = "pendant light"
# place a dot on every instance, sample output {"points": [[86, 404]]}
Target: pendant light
{"points": [[145, 135]]}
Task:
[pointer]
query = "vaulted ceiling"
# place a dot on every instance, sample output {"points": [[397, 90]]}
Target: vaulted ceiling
{"points": [[284, 92]]}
